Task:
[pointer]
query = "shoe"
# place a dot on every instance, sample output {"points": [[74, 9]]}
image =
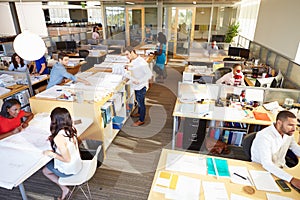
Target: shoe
{"points": [[135, 115], [138, 123]]}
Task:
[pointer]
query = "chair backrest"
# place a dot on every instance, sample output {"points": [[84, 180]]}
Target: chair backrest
{"points": [[247, 143], [85, 174], [83, 53], [93, 165], [221, 72]]}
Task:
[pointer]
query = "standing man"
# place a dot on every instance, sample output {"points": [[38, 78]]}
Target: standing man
{"points": [[140, 75], [59, 72], [271, 144]]}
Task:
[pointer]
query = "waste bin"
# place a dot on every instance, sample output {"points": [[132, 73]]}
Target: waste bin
{"points": [[88, 149]]}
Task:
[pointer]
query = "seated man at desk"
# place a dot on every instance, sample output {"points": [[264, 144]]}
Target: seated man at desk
{"points": [[271, 144], [59, 72], [11, 118], [213, 46], [235, 77]]}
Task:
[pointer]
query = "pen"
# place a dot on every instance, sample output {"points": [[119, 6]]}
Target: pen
{"points": [[239, 176]]}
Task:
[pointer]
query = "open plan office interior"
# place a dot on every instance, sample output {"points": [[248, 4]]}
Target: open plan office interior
{"points": [[192, 143]]}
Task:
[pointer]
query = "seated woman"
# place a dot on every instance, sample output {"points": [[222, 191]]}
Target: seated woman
{"points": [[235, 77], [17, 63], [11, 118], [65, 151]]}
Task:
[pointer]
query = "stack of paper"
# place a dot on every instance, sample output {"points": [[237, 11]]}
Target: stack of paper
{"points": [[263, 180], [177, 187]]}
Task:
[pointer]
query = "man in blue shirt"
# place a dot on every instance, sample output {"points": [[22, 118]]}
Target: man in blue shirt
{"points": [[59, 72], [41, 66]]}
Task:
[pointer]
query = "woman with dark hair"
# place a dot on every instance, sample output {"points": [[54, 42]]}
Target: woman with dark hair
{"points": [[17, 63], [11, 118], [95, 34], [160, 53], [65, 151]]}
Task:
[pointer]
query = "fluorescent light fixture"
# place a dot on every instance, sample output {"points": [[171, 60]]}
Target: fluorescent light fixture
{"points": [[129, 2], [194, 2]]}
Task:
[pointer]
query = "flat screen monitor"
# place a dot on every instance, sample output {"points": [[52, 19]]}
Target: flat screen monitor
{"points": [[244, 53], [8, 48], [61, 46], [218, 38], [234, 51], [70, 45]]}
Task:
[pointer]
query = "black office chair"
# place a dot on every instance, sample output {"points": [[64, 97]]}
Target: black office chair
{"points": [[247, 143], [83, 53], [221, 72]]}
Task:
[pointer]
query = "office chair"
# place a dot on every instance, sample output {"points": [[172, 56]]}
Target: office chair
{"points": [[86, 173], [221, 72], [247, 143], [83, 53]]}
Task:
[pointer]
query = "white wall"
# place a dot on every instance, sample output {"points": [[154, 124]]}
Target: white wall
{"points": [[6, 22], [278, 26], [31, 17]]}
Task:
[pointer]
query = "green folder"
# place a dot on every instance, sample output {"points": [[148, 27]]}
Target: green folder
{"points": [[220, 164]]}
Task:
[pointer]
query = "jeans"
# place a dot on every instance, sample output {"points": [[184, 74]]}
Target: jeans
{"points": [[50, 166], [140, 98]]}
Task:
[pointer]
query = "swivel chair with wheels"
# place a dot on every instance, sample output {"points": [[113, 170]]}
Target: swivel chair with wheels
{"points": [[221, 72], [247, 143]]}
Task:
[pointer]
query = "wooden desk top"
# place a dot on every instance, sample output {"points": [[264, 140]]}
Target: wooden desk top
{"points": [[230, 187], [248, 81], [206, 72], [249, 119], [14, 89]]}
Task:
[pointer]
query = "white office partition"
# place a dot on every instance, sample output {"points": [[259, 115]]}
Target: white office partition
{"points": [[31, 17], [6, 22]]}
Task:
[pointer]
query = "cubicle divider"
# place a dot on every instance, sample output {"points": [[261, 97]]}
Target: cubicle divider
{"points": [[289, 68]]}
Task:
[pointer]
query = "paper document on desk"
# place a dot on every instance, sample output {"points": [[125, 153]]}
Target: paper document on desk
{"points": [[277, 197], [186, 163], [214, 190], [243, 179], [177, 187], [263, 180]]}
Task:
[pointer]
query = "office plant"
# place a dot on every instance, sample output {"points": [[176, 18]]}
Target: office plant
{"points": [[233, 30]]}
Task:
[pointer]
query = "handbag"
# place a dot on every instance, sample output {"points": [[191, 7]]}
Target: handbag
{"points": [[216, 146]]}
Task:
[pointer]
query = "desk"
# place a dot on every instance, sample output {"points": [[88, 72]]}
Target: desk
{"points": [[22, 153], [218, 113], [230, 187]]}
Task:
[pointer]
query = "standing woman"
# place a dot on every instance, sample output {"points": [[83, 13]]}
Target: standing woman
{"points": [[65, 151], [17, 63], [95, 34], [11, 118], [160, 53]]}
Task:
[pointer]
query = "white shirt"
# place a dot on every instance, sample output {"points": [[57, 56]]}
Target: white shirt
{"points": [[75, 164], [228, 79], [269, 149], [140, 72]]}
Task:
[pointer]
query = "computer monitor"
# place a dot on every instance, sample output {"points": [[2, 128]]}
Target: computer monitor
{"points": [[234, 51], [264, 82], [244, 53], [61, 46], [71, 45], [218, 38]]}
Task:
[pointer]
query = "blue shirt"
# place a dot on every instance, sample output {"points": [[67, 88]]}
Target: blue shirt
{"points": [[20, 68], [58, 73], [38, 64]]}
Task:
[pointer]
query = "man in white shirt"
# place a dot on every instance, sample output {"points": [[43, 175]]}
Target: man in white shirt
{"points": [[235, 77], [140, 75], [272, 143]]}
